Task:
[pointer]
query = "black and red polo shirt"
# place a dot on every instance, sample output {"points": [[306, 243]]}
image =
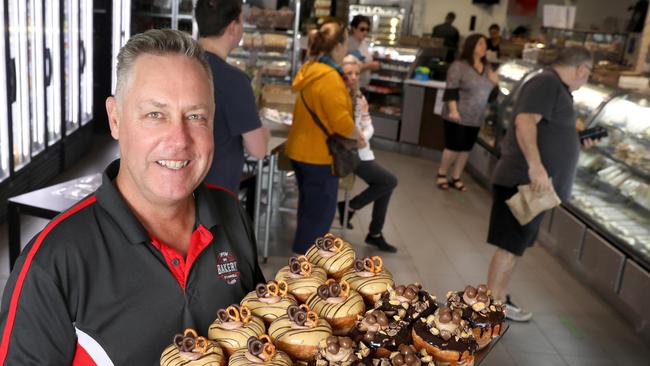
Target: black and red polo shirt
{"points": [[94, 288]]}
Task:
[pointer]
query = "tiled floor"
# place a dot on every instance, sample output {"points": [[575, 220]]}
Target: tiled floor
{"points": [[440, 236]]}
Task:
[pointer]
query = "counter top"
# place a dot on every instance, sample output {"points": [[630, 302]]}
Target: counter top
{"points": [[426, 83]]}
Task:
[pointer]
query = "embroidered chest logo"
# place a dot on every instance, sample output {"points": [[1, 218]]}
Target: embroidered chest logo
{"points": [[227, 267]]}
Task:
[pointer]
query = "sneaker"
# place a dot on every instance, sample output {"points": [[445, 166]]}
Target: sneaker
{"points": [[341, 206], [515, 313], [380, 243]]}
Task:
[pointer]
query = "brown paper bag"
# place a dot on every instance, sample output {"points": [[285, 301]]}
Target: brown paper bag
{"points": [[525, 205]]}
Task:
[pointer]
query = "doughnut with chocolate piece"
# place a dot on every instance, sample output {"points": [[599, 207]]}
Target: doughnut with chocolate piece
{"points": [[302, 277], [369, 278], [233, 327], [190, 349], [331, 253], [407, 302], [299, 331], [338, 304], [260, 351], [269, 300], [336, 351], [381, 333]]}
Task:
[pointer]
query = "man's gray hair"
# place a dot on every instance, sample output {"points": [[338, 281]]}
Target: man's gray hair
{"points": [[157, 42], [350, 60], [573, 56]]}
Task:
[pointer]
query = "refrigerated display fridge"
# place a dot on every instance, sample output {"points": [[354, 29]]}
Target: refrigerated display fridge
{"points": [[390, 19], [53, 71]]}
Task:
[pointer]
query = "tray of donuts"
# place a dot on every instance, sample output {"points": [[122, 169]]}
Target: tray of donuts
{"points": [[332, 308]]}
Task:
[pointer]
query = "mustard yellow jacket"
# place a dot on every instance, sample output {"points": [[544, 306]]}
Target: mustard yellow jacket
{"points": [[326, 95]]}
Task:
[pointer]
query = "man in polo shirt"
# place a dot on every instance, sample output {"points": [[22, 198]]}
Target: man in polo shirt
{"points": [[153, 251], [542, 144]]}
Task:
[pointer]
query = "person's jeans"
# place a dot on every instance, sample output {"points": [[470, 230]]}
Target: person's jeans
{"points": [[381, 184], [317, 191]]}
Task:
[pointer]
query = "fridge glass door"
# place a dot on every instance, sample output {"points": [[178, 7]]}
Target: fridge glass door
{"points": [[86, 62], [71, 47], [53, 71], [121, 33], [19, 82], [36, 76], [4, 114]]}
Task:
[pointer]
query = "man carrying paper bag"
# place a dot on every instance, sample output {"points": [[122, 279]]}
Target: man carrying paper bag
{"points": [[542, 142]]}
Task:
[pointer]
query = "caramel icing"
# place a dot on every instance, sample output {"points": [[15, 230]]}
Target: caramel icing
{"points": [[302, 286], [369, 284], [267, 311], [338, 262], [352, 306], [239, 359], [213, 357], [284, 330], [234, 339]]}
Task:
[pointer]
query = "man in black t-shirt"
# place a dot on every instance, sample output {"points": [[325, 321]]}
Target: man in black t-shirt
{"points": [[542, 144], [236, 121], [449, 34]]}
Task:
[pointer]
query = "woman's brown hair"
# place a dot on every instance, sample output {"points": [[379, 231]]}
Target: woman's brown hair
{"points": [[323, 40], [469, 46]]}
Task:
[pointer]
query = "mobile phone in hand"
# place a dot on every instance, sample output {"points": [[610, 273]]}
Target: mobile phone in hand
{"points": [[594, 133]]}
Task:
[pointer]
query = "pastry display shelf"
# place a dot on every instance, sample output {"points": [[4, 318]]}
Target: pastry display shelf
{"points": [[248, 28], [640, 172]]}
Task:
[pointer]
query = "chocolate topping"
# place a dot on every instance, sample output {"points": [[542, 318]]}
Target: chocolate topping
{"points": [[190, 342], [262, 349], [222, 315], [470, 291], [406, 356], [482, 289], [329, 243], [302, 316], [331, 288], [261, 290], [482, 297], [358, 265], [294, 265]]}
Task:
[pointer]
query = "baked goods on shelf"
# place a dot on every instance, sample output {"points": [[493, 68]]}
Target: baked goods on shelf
{"points": [[260, 351], [302, 277], [337, 351], [381, 334], [269, 301], [189, 349], [233, 327], [337, 303], [299, 332], [484, 315], [406, 302], [333, 254], [446, 337], [369, 277], [275, 41]]}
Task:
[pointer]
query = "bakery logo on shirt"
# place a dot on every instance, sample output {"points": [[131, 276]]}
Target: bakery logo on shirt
{"points": [[227, 268]]}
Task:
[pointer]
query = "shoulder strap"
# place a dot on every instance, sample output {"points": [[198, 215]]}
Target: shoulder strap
{"points": [[314, 116]]}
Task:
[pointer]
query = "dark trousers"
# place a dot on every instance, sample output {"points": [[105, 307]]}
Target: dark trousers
{"points": [[317, 190], [381, 184]]}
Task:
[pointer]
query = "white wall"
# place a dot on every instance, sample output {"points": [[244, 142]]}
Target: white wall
{"points": [[434, 11]]}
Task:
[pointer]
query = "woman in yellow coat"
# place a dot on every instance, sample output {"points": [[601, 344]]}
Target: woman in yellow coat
{"points": [[320, 82]]}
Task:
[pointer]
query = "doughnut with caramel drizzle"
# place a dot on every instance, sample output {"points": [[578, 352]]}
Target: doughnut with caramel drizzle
{"points": [[233, 326], [299, 331], [260, 351], [190, 349], [302, 277], [369, 277], [269, 300], [338, 304], [331, 253]]}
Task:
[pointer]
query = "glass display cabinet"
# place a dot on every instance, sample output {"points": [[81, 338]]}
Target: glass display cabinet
{"points": [[85, 30], [603, 45], [388, 22], [53, 71], [36, 79], [613, 185]]}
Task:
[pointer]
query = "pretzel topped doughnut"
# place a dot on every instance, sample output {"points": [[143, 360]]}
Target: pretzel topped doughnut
{"points": [[234, 313], [332, 289], [302, 316], [300, 266], [190, 345], [261, 349], [372, 264], [329, 243], [272, 290]]}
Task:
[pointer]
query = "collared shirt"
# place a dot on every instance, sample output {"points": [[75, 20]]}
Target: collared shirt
{"points": [[557, 137], [94, 288]]}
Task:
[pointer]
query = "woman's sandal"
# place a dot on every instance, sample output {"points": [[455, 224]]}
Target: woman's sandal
{"points": [[442, 182], [458, 184]]}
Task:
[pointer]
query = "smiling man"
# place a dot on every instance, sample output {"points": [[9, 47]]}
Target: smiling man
{"points": [[153, 251]]}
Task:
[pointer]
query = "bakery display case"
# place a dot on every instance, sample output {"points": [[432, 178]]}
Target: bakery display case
{"points": [[605, 46], [269, 46], [385, 90], [389, 19], [612, 188]]}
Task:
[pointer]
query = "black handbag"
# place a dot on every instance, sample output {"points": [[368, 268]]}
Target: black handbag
{"points": [[345, 155]]}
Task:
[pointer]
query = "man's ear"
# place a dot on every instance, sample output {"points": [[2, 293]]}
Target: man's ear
{"points": [[113, 117]]}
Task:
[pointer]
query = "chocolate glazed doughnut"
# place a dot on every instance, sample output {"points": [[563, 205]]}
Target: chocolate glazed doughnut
{"points": [[383, 335], [336, 351]]}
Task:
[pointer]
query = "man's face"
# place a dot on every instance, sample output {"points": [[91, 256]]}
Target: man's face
{"points": [[164, 126], [494, 33], [238, 30], [583, 71]]}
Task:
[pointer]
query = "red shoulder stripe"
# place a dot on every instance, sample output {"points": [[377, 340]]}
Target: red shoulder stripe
{"points": [[214, 186], [13, 304]]}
